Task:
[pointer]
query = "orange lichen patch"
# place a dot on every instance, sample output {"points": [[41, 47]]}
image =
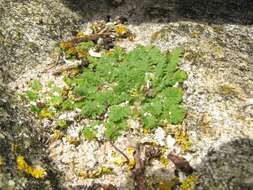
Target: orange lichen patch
{"points": [[37, 173]]}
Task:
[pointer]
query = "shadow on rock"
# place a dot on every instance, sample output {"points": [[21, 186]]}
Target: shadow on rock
{"points": [[209, 11], [228, 167], [20, 136]]}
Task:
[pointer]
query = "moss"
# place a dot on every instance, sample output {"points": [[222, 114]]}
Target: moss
{"points": [[183, 140], [189, 183]]}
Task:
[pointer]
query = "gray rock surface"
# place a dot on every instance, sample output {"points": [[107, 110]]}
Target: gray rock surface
{"points": [[216, 36]]}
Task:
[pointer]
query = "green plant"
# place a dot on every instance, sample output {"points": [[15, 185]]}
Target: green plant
{"points": [[90, 131], [119, 86], [143, 77], [36, 85], [37, 99]]}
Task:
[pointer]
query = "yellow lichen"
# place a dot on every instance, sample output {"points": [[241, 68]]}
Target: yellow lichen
{"points": [[100, 171], [66, 45], [218, 29], [189, 183], [131, 164], [69, 48], [183, 140], [130, 150], [73, 140], [121, 30], [130, 154], [57, 135], [164, 161], [80, 34], [46, 114], [95, 173], [83, 174], [22, 165], [146, 131], [119, 160]]}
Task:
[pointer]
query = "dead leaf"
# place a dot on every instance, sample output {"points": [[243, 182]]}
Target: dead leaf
{"points": [[181, 163]]}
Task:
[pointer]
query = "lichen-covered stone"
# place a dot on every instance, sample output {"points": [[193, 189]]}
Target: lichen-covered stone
{"points": [[218, 93]]}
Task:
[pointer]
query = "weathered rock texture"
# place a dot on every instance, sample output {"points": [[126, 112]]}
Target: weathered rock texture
{"points": [[217, 39]]}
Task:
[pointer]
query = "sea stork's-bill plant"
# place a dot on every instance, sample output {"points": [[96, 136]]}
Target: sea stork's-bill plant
{"points": [[120, 86]]}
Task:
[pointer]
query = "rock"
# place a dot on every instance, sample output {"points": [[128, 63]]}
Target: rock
{"points": [[217, 55], [170, 141]]}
